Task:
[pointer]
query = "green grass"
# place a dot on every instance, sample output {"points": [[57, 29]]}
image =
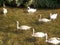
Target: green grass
{"points": [[9, 35]]}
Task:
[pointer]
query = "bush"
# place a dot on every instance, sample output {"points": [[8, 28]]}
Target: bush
{"points": [[46, 3], [35, 3], [1, 2]]}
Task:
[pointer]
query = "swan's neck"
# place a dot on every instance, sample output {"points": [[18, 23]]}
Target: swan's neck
{"points": [[40, 16], [50, 14], [46, 37], [33, 31], [17, 24]]}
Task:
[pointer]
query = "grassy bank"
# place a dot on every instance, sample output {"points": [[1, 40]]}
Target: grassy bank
{"points": [[9, 35]]}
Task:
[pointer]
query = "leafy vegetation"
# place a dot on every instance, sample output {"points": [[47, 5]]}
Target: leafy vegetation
{"points": [[34, 3], [9, 35]]}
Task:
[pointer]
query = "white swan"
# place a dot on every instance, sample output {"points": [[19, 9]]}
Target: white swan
{"points": [[23, 27], [38, 34], [5, 11], [53, 16], [31, 10], [44, 19], [54, 40]]}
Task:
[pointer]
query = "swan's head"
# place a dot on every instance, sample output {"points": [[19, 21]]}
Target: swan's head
{"points": [[33, 30], [28, 7], [40, 18], [17, 22], [50, 14], [3, 8]]}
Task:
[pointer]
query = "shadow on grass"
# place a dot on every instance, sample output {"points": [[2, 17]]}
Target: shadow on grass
{"points": [[1, 12], [38, 23], [1, 15], [32, 39], [9, 30]]}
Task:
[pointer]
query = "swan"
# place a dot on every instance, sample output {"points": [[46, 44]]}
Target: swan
{"points": [[54, 40], [23, 27], [44, 19], [53, 16], [31, 10], [38, 34], [5, 11]]}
